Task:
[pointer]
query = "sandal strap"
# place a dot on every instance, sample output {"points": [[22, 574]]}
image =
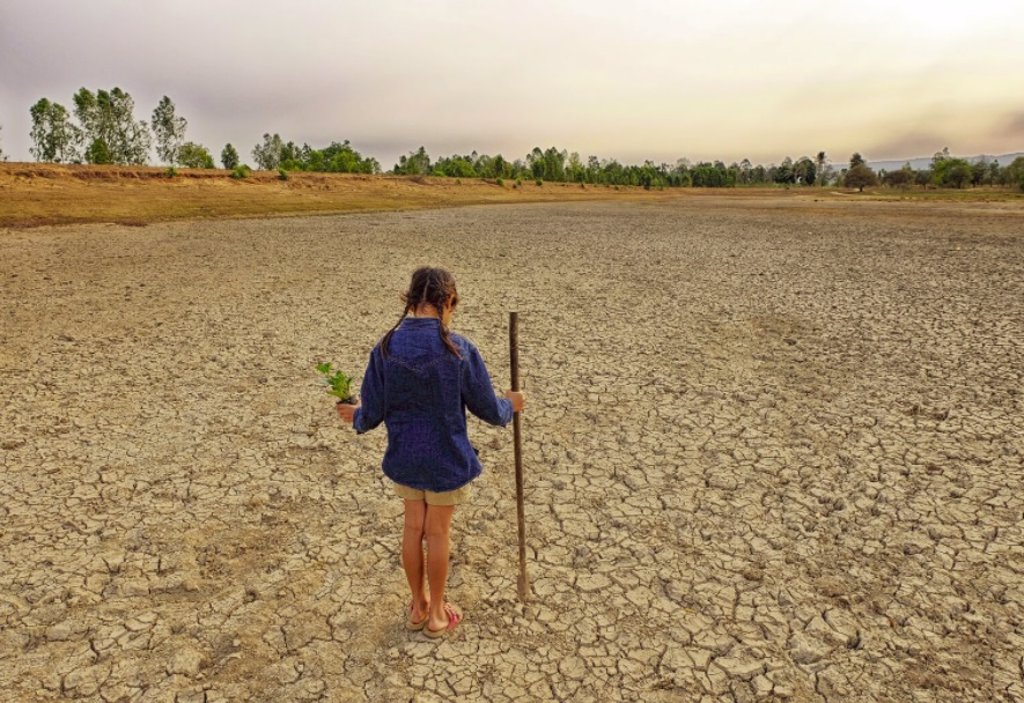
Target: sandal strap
{"points": [[454, 614]]}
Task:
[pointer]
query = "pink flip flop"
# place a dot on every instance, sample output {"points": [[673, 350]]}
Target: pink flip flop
{"points": [[454, 618]]}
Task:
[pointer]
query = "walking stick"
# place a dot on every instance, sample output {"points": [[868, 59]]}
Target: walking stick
{"points": [[513, 343]]}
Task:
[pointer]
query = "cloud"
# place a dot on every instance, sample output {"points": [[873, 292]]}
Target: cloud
{"points": [[646, 79], [1011, 127], [907, 145]]}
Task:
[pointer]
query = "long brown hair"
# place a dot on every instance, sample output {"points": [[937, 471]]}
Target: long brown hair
{"points": [[428, 285]]}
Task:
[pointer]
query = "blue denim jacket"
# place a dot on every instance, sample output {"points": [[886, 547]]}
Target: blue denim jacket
{"points": [[421, 392]]}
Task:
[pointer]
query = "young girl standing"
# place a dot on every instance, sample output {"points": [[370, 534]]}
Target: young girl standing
{"points": [[419, 381]]}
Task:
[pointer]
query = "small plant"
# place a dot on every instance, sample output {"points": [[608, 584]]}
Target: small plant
{"points": [[539, 182], [519, 183], [340, 384], [171, 172], [500, 182], [282, 175], [241, 171]]}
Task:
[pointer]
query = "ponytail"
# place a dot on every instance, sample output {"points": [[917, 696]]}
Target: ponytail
{"points": [[387, 337], [428, 285]]}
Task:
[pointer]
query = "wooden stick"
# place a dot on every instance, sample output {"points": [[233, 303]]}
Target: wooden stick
{"points": [[513, 343]]}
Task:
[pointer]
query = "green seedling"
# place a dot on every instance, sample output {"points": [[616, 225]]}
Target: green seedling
{"points": [[340, 384]]}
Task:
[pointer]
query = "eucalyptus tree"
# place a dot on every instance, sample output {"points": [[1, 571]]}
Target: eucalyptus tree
{"points": [[268, 154], [169, 130], [54, 137], [229, 157], [111, 132]]}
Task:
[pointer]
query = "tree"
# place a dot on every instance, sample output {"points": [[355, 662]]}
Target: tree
{"points": [[192, 155], [784, 172], [54, 137], [268, 154], [169, 130], [949, 171], [576, 172], [554, 164], [805, 171], [859, 175], [417, 163], [229, 157], [1013, 174], [979, 172], [98, 153], [109, 117], [820, 161], [901, 178], [994, 173], [535, 160], [856, 160]]}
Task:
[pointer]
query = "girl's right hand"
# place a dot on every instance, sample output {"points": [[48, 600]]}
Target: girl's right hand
{"points": [[518, 400], [347, 411]]}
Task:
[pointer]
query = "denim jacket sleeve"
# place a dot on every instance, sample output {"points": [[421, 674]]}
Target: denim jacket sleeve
{"points": [[478, 393], [370, 412]]}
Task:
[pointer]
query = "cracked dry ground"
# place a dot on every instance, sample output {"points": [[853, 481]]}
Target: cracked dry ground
{"points": [[770, 455]]}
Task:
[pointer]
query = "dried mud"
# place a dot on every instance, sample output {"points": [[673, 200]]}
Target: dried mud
{"points": [[770, 455]]}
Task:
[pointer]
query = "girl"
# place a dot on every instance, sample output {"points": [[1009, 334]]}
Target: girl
{"points": [[419, 381]]}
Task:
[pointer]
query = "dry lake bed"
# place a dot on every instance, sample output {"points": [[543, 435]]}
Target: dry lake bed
{"points": [[772, 452]]}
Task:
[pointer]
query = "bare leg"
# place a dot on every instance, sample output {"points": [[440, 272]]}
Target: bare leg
{"points": [[438, 523], [412, 555]]}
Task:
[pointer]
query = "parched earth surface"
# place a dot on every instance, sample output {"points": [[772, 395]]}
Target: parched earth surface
{"points": [[771, 453]]}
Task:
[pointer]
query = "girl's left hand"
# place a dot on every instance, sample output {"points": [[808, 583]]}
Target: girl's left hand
{"points": [[347, 412]]}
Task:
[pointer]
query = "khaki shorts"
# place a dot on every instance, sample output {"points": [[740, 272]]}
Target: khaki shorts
{"points": [[459, 495]]}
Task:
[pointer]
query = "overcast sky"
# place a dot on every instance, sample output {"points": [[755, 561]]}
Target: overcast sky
{"points": [[634, 80]]}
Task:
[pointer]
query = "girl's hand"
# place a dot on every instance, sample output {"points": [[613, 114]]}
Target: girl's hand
{"points": [[347, 412], [518, 399]]}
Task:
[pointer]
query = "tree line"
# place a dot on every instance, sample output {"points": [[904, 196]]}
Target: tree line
{"points": [[104, 131]]}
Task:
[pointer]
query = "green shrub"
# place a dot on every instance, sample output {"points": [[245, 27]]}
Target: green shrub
{"points": [[282, 175], [171, 172], [192, 155], [500, 182], [519, 183], [539, 182], [241, 171]]}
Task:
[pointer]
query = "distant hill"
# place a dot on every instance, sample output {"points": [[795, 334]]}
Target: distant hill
{"points": [[922, 162]]}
